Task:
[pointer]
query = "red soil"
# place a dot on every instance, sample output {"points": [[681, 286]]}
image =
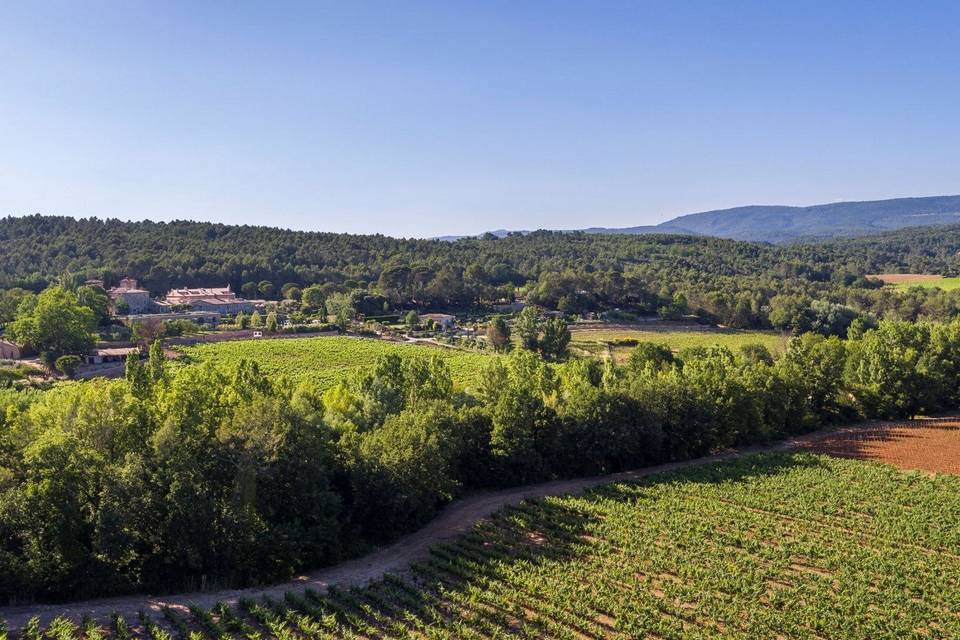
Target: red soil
{"points": [[929, 444]]}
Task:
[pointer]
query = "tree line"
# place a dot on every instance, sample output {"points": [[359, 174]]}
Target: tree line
{"points": [[173, 479], [730, 282]]}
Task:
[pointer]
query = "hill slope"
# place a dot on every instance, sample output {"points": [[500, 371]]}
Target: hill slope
{"points": [[783, 224]]}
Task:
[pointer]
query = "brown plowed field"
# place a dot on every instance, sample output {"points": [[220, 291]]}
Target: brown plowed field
{"points": [[897, 278], [928, 444]]}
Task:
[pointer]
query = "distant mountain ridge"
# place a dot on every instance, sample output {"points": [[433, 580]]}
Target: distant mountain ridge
{"points": [[778, 223]]}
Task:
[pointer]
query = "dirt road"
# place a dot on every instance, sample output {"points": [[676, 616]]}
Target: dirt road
{"points": [[457, 518]]}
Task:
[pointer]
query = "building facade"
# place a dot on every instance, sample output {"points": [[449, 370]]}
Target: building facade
{"points": [[211, 299], [137, 299], [9, 350]]}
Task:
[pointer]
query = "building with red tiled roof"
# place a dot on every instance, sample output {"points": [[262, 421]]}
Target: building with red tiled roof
{"points": [[216, 299]]}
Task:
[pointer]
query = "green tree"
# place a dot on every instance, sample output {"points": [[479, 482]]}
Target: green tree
{"points": [[340, 306], [498, 334], [265, 288], [10, 299], [135, 374], [249, 290], [555, 339], [290, 291], [527, 328], [121, 306], [271, 324], [887, 372], [256, 320], [402, 471], [156, 362], [67, 365], [55, 324], [96, 300], [791, 313], [650, 355], [411, 319], [312, 298]]}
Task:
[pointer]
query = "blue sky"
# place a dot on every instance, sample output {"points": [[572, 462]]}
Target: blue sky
{"points": [[428, 118]]}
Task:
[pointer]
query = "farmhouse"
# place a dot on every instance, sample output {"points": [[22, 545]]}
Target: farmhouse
{"points": [[137, 299], [214, 299], [443, 320]]}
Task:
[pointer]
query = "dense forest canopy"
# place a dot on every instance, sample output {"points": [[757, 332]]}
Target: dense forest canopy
{"points": [[732, 282]]}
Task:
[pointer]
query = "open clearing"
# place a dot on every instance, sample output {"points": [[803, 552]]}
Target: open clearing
{"points": [[617, 340], [904, 278], [769, 545], [907, 280], [328, 359]]}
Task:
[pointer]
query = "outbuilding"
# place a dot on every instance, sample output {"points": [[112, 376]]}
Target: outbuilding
{"points": [[110, 354], [10, 350]]}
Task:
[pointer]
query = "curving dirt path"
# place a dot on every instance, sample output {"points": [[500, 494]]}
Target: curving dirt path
{"points": [[456, 518]]}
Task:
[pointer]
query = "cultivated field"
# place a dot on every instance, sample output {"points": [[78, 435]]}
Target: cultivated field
{"points": [[930, 444], [617, 340], [907, 280], [328, 359], [768, 546]]}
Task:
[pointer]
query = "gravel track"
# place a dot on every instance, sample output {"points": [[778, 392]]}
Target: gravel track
{"points": [[456, 518]]}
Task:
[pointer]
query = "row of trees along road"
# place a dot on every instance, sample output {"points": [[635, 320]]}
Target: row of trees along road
{"points": [[169, 479]]}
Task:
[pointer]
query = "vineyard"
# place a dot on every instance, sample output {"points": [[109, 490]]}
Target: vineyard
{"points": [[770, 546], [327, 360]]}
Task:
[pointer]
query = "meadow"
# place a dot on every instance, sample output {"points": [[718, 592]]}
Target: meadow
{"points": [[329, 359], [768, 546], [618, 340], [947, 284], [910, 280]]}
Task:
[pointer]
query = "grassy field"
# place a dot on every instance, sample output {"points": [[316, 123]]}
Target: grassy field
{"points": [[328, 359], [618, 340], [908, 280], [946, 284], [771, 546]]}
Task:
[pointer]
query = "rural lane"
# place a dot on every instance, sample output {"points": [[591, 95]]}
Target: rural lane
{"points": [[455, 519]]}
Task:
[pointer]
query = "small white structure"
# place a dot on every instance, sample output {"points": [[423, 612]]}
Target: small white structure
{"points": [[112, 354], [443, 320]]}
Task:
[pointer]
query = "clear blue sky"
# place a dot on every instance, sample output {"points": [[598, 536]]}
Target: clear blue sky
{"points": [[420, 119]]}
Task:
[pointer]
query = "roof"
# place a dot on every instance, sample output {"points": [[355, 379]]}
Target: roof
{"points": [[116, 291], [214, 300], [115, 351], [201, 291]]}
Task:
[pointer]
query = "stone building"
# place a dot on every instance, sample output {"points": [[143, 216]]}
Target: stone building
{"points": [[216, 299], [137, 299]]}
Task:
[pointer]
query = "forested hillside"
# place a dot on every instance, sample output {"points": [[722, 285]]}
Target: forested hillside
{"points": [[728, 281], [779, 223]]}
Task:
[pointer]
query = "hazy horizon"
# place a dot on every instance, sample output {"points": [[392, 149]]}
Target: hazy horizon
{"points": [[433, 119]]}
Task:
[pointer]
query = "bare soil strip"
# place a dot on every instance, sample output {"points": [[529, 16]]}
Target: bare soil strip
{"points": [[895, 278], [932, 445]]}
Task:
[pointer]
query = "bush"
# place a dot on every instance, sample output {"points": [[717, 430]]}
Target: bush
{"points": [[67, 365]]}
